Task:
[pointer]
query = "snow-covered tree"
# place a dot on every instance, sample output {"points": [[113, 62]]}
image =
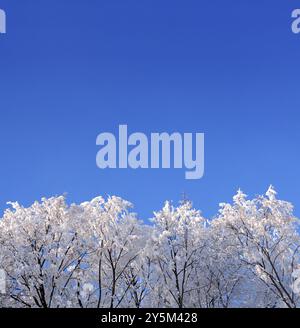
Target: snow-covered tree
{"points": [[39, 253], [266, 233], [114, 241], [98, 254], [178, 241]]}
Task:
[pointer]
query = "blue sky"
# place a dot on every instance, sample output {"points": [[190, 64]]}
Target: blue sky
{"points": [[72, 69]]}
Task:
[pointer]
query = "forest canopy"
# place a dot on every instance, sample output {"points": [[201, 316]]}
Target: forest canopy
{"points": [[98, 254]]}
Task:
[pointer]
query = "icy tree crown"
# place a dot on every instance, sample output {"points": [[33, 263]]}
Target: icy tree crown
{"points": [[99, 254]]}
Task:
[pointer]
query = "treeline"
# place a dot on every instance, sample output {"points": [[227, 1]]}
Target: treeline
{"points": [[100, 255]]}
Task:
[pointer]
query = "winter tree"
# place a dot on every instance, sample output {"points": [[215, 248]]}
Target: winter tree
{"points": [[114, 241], [266, 233], [178, 242], [39, 253], [99, 254]]}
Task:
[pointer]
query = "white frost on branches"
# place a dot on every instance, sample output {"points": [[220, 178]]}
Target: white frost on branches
{"points": [[98, 254]]}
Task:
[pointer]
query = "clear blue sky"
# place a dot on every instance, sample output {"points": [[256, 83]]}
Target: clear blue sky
{"points": [[71, 69]]}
